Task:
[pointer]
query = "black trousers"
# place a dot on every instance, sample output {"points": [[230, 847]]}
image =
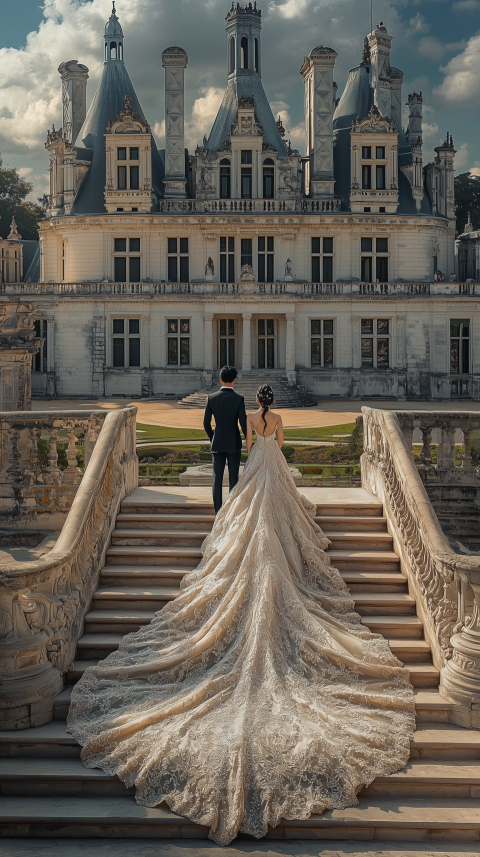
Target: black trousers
{"points": [[219, 461]]}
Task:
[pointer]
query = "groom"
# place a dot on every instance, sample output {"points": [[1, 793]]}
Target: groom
{"points": [[228, 408]]}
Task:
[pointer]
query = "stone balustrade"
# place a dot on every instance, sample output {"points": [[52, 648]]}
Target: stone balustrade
{"points": [[297, 288], [34, 491], [445, 426], [43, 603], [446, 585], [256, 206]]}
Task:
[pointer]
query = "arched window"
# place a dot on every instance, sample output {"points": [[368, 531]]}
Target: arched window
{"points": [[120, 51], [256, 55], [113, 50], [268, 179], [224, 178], [231, 56], [244, 52], [106, 52]]}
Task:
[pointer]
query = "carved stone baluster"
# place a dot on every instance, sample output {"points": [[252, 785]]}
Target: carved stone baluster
{"points": [[446, 448], [426, 453], [54, 474], [408, 435], [460, 679], [72, 473]]}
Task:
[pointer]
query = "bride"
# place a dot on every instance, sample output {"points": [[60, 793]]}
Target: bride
{"points": [[257, 694]]}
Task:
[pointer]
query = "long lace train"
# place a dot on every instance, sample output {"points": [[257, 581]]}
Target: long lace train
{"points": [[257, 694]]}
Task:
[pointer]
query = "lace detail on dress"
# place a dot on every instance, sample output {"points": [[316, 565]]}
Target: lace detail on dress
{"points": [[257, 694]]}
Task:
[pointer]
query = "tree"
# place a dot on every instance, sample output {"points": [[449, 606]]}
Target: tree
{"points": [[13, 203], [467, 199]]}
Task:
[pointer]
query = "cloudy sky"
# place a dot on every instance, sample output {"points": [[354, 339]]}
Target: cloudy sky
{"points": [[436, 43]]}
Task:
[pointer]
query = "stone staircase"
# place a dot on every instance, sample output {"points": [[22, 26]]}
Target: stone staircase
{"points": [[46, 791], [247, 386]]}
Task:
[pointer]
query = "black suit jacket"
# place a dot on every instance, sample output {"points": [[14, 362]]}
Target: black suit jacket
{"points": [[228, 408]]}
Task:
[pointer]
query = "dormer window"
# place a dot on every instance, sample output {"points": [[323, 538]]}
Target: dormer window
{"points": [[225, 182], [268, 179], [128, 175]]}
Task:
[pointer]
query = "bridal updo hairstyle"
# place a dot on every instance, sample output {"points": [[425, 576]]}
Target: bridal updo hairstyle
{"points": [[265, 399]]}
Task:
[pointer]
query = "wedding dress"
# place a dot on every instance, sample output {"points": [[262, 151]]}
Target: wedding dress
{"points": [[257, 694]]}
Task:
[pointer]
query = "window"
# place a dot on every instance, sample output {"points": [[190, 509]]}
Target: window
{"points": [[375, 333], [128, 175], [321, 342], [225, 191], [246, 156], [226, 341], [380, 153], [322, 260], [127, 266], [366, 153], [366, 176], [374, 262], [246, 252], [113, 50], [256, 54], [63, 260], [178, 341], [266, 343], [380, 176], [39, 361], [227, 261], [178, 260], [460, 346], [126, 343], [246, 174], [244, 52], [231, 63], [265, 259], [268, 179]]}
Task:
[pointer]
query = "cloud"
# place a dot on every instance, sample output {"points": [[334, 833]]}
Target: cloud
{"points": [[467, 6], [462, 157], [418, 24], [294, 133], [434, 49], [289, 8], [204, 113], [461, 85], [475, 171]]}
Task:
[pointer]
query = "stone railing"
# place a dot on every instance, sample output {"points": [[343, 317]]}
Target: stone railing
{"points": [[43, 603], [443, 583], [442, 427], [250, 206], [34, 491], [299, 288]]}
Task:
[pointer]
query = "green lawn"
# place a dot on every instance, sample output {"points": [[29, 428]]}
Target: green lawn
{"points": [[323, 433], [146, 433]]}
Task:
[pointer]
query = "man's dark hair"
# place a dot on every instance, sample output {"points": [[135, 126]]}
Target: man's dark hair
{"points": [[228, 374]]}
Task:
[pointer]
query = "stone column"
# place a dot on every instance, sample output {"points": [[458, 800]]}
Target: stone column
{"points": [[174, 61], [290, 350], [320, 89], [208, 348], [74, 98], [50, 358], [247, 342]]}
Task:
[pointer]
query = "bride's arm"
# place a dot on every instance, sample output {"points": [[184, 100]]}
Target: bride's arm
{"points": [[249, 435], [280, 432]]}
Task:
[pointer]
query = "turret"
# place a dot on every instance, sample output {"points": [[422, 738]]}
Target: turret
{"points": [[244, 24], [380, 44], [113, 38]]}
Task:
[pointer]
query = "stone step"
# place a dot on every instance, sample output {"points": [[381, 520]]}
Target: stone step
{"points": [[151, 598], [394, 627], [371, 581], [411, 651], [99, 817], [384, 603], [356, 560], [192, 538], [344, 540], [150, 507], [146, 575], [352, 523], [146, 521], [348, 510], [171, 556]]}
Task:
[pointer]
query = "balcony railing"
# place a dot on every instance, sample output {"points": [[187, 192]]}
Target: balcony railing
{"points": [[298, 288], [242, 206]]}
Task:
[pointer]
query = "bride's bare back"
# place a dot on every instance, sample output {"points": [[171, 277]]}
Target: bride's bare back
{"points": [[273, 420]]}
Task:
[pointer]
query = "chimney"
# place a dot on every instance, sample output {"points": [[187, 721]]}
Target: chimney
{"points": [[74, 98], [380, 47], [415, 116], [174, 61], [320, 90]]}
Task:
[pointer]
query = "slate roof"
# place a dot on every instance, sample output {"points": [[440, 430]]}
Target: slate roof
{"points": [[245, 85], [107, 104]]}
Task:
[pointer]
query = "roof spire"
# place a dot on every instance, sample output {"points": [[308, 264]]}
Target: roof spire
{"points": [[114, 11]]}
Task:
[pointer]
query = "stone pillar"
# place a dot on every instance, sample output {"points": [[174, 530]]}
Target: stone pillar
{"points": [[174, 61], [98, 376], [290, 349], [208, 348], [247, 342], [74, 97], [356, 344], [460, 678], [320, 89]]}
